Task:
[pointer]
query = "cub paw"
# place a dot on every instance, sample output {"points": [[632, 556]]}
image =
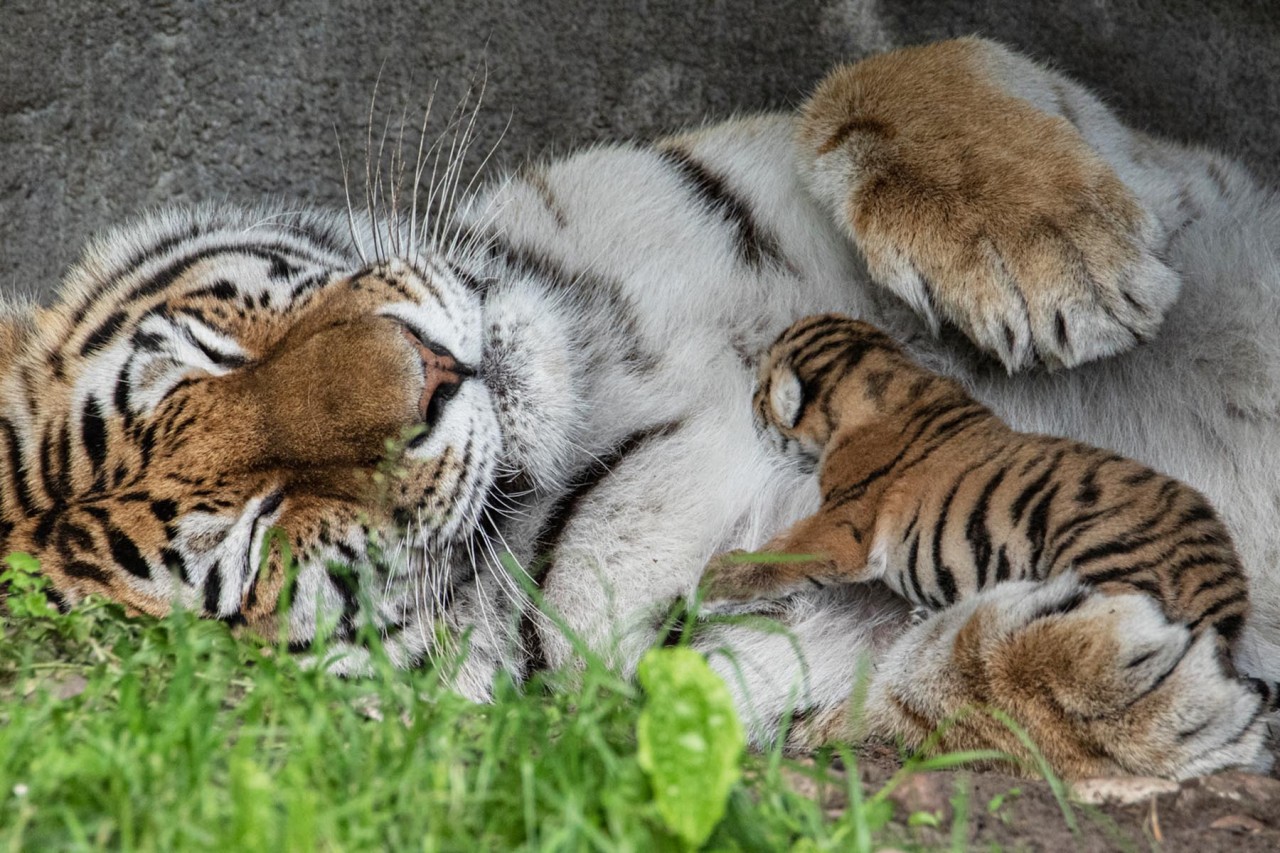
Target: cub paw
{"points": [[979, 209], [733, 578]]}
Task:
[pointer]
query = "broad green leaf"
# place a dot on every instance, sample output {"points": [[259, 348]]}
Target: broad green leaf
{"points": [[690, 741]]}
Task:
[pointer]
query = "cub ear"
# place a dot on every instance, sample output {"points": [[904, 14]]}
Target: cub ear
{"points": [[786, 397]]}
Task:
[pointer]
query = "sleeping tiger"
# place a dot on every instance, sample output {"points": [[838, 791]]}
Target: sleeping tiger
{"points": [[552, 367], [925, 489]]}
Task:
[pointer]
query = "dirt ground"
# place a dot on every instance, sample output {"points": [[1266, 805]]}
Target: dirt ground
{"points": [[1231, 811]]}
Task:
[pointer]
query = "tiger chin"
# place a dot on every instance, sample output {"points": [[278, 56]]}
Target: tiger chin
{"points": [[554, 367]]}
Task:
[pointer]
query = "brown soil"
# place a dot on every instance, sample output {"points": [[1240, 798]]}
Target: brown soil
{"points": [[1231, 811]]}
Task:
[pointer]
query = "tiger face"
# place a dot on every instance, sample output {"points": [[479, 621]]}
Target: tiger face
{"points": [[807, 385], [201, 384]]}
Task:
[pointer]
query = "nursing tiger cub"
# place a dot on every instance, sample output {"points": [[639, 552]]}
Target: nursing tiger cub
{"points": [[924, 488]]}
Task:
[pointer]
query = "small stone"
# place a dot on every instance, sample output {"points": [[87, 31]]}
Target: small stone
{"points": [[924, 792], [1239, 824], [68, 686], [1121, 790], [1237, 785]]}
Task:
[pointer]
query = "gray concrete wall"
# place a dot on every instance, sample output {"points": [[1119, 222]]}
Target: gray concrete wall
{"points": [[107, 108]]}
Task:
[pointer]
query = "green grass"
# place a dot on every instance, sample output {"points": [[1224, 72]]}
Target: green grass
{"points": [[171, 734]]}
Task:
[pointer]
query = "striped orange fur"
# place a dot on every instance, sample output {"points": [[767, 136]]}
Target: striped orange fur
{"points": [[928, 491]]}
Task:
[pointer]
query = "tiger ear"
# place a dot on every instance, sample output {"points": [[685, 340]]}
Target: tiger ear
{"points": [[786, 398]]}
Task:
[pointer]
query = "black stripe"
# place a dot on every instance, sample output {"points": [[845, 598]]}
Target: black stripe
{"points": [[93, 434], [1114, 547], [976, 532], [1089, 492], [942, 573], [165, 509], [176, 564], [103, 333], [21, 485], [1229, 627], [1071, 531], [1024, 498], [547, 539], [219, 358], [141, 257], [1003, 569], [120, 394], [82, 569], [755, 246], [1062, 606], [281, 270], [126, 553], [48, 523], [220, 290], [1217, 607], [213, 589], [913, 560], [270, 252], [583, 284], [69, 537], [346, 582], [1037, 524]]}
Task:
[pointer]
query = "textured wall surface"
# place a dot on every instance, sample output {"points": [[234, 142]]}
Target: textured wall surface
{"points": [[107, 108]]}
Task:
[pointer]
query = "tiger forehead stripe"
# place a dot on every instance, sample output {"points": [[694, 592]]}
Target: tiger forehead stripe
{"points": [[273, 253], [319, 248]]}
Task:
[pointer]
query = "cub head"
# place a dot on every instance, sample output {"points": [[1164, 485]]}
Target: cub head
{"points": [[209, 377], [824, 373]]}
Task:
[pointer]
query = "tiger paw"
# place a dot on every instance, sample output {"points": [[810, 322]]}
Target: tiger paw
{"points": [[979, 209], [1102, 685]]}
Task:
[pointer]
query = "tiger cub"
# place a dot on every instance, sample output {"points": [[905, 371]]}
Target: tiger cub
{"points": [[927, 490]]}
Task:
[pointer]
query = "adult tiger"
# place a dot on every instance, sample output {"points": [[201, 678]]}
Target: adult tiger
{"points": [[561, 370]]}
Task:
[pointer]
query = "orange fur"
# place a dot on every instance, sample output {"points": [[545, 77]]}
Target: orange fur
{"points": [[927, 490], [985, 200], [327, 384]]}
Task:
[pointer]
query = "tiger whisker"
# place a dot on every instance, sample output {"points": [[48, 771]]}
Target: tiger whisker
{"points": [[467, 138], [456, 124], [379, 192], [368, 166], [419, 165]]}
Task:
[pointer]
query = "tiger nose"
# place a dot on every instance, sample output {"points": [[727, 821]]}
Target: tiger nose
{"points": [[442, 375]]}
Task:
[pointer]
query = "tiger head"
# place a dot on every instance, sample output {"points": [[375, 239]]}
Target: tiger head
{"points": [[824, 373], [215, 389]]}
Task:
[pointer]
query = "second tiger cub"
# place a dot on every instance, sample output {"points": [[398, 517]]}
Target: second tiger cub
{"points": [[927, 490]]}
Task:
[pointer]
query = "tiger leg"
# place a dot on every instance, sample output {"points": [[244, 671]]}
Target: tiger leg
{"points": [[988, 191], [825, 548], [1101, 685]]}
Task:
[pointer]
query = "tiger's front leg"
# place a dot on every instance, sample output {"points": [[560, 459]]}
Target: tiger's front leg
{"points": [[989, 192]]}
